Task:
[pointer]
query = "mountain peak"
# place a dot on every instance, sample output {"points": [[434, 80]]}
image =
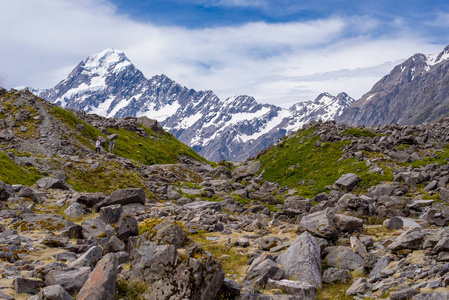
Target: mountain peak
{"points": [[106, 59]]}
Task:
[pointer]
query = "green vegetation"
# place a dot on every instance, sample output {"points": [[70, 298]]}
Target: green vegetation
{"points": [[233, 261], [158, 148], [11, 173], [357, 132], [87, 136], [130, 290], [108, 177], [334, 291], [300, 157], [439, 157]]}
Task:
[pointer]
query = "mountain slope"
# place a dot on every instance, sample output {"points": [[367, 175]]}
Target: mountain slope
{"points": [[108, 84], [415, 91]]}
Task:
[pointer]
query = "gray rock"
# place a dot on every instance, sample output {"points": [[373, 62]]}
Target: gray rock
{"points": [[5, 191], [229, 289], [88, 259], [358, 247], [34, 195], [72, 280], [302, 261], [442, 245], [343, 258], [359, 287], [379, 266], [298, 288], [259, 274], [101, 282], [54, 292], [90, 199], [444, 195], [347, 223], [394, 223], [122, 196], [410, 239], [319, 224], [334, 275], [75, 210], [404, 294], [93, 228], [250, 168], [432, 296], [111, 214], [27, 285], [347, 182], [51, 183], [266, 243], [113, 245], [202, 205]]}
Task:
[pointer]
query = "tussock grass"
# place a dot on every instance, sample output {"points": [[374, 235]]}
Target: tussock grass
{"points": [[303, 157], [11, 173]]}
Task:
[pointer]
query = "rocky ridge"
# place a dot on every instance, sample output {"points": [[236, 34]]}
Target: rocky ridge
{"points": [[199, 231], [414, 92]]}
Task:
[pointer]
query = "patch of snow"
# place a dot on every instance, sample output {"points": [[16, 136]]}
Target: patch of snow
{"points": [[162, 114]]}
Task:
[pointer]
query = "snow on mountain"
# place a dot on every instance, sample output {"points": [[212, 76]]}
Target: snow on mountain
{"points": [[108, 84], [414, 92]]}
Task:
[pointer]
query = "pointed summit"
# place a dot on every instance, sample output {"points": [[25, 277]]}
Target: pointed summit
{"points": [[105, 60]]}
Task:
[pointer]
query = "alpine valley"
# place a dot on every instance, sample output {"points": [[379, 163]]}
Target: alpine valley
{"points": [[109, 85]]}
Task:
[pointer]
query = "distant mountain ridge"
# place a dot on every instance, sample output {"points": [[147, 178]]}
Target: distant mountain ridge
{"points": [[414, 92], [108, 84]]}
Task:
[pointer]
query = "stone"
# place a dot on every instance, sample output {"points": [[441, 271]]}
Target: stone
{"points": [[102, 281], [72, 280], [261, 271], [249, 168], [410, 239], [150, 123], [32, 194], [5, 191], [113, 245], [112, 137], [93, 228], [203, 205], [88, 259], [443, 193], [334, 275], [54, 292], [51, 183], [404, 294], [111, 214], [358, 247], [90, 199], [266, 243], [442, 245], [320, 224], [298, 288], [75, 210], [343, 258], [301, 261], [122, 196], [359, 287], [229, 289], [27, 285], [393, 223], [347, 182], [347, 223]]}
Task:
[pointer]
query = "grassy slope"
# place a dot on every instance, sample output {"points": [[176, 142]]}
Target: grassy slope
{"points": [[11, 173], [299, 158]]}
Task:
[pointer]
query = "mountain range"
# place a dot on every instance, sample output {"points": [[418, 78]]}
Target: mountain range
{"points": [[414, 92], [236, 128]]}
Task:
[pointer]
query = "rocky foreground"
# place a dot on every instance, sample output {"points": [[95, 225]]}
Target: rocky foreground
{"points": [[198, 232]]}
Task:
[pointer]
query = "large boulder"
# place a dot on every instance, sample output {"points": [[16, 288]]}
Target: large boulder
{"points": [[302, 261], [347, 223], [122, 196], [72, 280], [347, 182], [51, 183], [343, 258], [410, 239], [250, 168], [302, 289], [172, 266], [101, 282], [319, 224], [261, 271]]}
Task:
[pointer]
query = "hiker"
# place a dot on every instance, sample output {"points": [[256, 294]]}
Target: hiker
{"points": [[97, 145], [111, 146]]}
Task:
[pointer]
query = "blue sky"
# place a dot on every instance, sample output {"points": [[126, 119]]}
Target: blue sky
{"points": [[280, 52]]}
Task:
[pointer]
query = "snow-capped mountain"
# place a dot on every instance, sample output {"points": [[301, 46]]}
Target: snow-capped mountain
{"points": [[108, 84], [414, 92]]}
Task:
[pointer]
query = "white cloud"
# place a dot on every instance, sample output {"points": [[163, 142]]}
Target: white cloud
{"points": [[276, 63]]}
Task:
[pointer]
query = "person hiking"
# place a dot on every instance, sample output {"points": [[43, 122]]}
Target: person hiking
{"points": [[111, 146], [97, 145]]}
